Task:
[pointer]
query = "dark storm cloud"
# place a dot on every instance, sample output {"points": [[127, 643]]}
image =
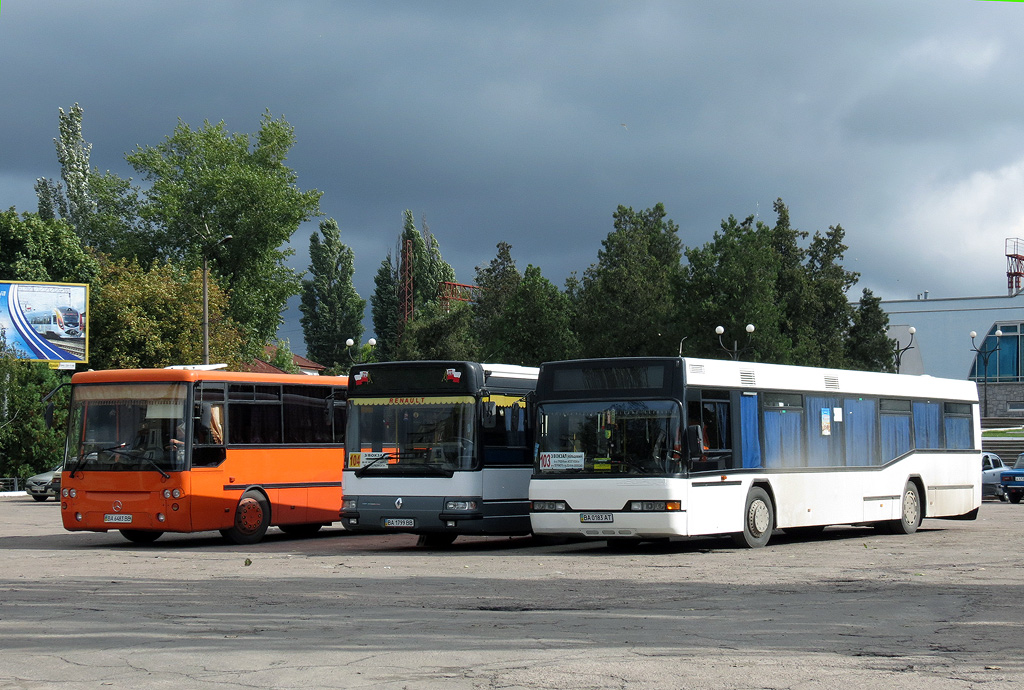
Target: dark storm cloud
{"points": [[529, 122]]}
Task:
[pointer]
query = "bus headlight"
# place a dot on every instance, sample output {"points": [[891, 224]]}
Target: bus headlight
{"points": [[549, 506], [172, 493], [655, 506], [460, 505], [349, 503]]}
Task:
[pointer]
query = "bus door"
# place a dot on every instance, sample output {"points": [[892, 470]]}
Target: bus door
{"points": [[213, 503], [712, 493]]}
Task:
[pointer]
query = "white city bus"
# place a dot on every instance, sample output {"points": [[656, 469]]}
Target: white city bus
{"points": [[439, 449], [648, 448]]}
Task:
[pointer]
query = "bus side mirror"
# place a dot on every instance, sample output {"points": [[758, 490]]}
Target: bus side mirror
{"points": [[48, 416], [695, 441], [488, 414]]}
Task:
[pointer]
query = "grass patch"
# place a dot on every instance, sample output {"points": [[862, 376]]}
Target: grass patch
{"points": [[1004, 433]]}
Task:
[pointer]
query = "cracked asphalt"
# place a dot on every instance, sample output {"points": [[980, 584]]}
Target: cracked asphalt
{"points": [[852, 607]]}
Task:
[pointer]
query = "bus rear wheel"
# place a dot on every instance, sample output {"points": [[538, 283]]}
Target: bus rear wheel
{"points": [[139, 536], [252, 518], [910, 513], [758, 520]]}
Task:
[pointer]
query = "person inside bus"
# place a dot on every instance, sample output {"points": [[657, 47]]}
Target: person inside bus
{"points": [[142, 437]]}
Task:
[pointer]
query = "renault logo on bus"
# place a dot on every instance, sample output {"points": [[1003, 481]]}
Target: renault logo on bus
{"points": [[398, 502]]}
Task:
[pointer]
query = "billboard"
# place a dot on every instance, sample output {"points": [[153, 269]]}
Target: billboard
{"points": [[45, 322]]}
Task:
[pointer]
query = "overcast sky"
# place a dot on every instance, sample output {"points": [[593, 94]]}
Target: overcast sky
{"points": [[530, 122]]}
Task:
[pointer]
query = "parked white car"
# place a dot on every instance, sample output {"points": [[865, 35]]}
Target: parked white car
{"points": [[992, 467]]}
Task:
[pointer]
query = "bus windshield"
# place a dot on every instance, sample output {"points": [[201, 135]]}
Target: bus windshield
{"points": [[127, 426], [420, 435], [614, 438]]}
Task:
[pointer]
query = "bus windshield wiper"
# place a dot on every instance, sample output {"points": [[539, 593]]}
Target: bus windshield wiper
{"points": [[116, 450], [362, 470]]}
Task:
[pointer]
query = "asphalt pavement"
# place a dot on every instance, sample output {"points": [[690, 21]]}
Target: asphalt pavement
{"points": [[852, 608]]}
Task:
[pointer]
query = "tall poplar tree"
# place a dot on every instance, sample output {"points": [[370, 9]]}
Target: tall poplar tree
{"points": [[332, 310], [384, 309]]}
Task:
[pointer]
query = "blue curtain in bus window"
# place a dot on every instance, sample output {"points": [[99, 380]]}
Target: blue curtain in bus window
{"points": [[958, 432], [824, 436], [861, 431], [750, 431], [927, 425], [783, 438], [895, 436]]}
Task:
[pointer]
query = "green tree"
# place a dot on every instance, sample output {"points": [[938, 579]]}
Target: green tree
{"points": [[755, 273], [439, 333], [626, 303], [208, 184], [28, 444], [429, 270], [384, 309], [731, 281], [868, 347], [150, 317], [283, 358], [104, 209], [498, 282], [332, 310], [77, 205], [535, 325], [34, 249]]}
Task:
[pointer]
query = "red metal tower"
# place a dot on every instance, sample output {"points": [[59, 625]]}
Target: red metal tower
{"points": [[1014, 264]]}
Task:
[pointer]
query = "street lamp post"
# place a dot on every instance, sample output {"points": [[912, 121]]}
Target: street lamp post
{"points": [[736, 350], [984, 354], [372, 342], [898, 352], [206, 294]]}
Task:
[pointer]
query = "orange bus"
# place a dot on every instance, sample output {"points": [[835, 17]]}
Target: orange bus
{"points": [[188, 450]]}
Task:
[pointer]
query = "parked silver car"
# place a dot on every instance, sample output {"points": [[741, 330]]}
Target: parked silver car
{"points": [[992, 468], [42, 486]]}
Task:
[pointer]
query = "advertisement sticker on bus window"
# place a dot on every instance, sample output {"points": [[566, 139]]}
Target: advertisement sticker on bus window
{"points": [[561, 461], [826, 421], [357, 460]]}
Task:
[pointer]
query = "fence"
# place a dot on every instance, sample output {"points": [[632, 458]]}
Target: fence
{"points": [[10, 484]]}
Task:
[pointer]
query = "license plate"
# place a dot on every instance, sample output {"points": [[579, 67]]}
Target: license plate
{"points": [[399, 522], [596, 517], [117, 517]]}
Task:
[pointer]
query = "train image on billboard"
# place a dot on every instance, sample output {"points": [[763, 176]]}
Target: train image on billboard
{"points": [[58, 322]]}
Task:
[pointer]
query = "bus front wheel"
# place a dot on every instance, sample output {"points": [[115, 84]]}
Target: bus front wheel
{"points": [[910, 513], [252, 518], [758, 520]]}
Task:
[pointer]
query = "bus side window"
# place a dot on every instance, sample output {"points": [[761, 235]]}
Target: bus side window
{"points": [[208, 447]]}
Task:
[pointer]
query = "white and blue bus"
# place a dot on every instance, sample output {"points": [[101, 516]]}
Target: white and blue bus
{"points": [[649, 448], [439, 449]]}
